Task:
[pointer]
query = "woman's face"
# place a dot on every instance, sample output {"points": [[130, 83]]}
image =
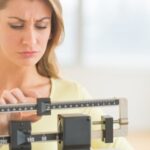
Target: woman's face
{"points": [[24, 31]]}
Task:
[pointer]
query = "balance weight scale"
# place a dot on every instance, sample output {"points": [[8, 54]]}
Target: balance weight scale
{"points": [[20, 133]]}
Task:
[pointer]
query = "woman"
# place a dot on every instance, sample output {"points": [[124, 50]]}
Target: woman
{"points": [[29, 32]]}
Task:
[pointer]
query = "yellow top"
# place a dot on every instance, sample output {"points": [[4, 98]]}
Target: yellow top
{"points": [[63, 90]]}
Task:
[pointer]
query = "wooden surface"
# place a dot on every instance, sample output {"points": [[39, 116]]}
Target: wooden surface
{"points": [[140, 140]]}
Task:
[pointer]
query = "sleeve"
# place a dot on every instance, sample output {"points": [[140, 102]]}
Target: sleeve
{"points": [[120, 143]]}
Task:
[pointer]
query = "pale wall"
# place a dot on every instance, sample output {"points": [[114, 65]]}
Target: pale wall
{"points": [[132, 83]]}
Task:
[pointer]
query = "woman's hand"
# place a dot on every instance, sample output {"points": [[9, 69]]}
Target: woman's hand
{"points": [[16, 96]]}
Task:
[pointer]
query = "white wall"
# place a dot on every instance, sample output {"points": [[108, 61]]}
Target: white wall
{"points": [[113, 33], [132, 83]]}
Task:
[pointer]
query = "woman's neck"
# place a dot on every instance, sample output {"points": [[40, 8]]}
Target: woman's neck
{"points": [[23, 77], [19, 77]]}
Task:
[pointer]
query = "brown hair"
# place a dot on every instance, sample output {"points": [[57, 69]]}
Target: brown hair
{"points": [[47, 65]]}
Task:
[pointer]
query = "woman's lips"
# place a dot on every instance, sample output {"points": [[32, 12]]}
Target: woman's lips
{"points": [[28, 54]]}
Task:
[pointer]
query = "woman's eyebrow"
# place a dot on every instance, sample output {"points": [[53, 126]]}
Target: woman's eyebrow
{"points": [[20, 19], [49, 18], [11, 17]]}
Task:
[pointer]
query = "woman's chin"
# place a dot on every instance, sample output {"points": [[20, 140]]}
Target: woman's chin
{"points": [[26, 63]]}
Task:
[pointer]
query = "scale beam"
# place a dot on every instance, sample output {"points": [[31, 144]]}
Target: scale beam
{"points": [[44, 103]]}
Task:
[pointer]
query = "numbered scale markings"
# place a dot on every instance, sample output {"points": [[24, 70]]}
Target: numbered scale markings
{"points": [[59, 105], [33, 138]]}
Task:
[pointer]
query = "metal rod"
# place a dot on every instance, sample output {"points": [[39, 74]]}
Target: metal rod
{"points": [[123, 121], [59, 105]]}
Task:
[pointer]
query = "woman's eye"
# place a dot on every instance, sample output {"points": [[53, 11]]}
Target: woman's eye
{"points": [[41, 27], [16, 26]]}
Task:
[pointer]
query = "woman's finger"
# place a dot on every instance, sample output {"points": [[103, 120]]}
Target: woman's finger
{"points": [[8, 97], [16, 116], [2, 101], [18, 94]]}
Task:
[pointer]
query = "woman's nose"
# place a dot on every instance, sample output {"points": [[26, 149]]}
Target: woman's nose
{"points": [[29, 37]]}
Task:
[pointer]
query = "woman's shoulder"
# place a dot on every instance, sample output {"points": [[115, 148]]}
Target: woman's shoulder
{"points": [[68, 89]]}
